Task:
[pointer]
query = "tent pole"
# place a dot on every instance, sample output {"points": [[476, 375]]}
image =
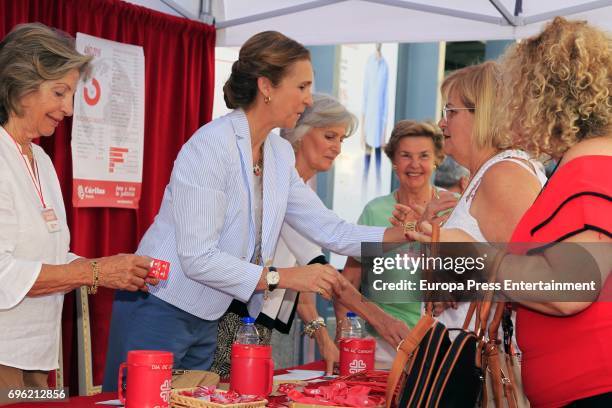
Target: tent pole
{"points": [[205, 13], [568, 11], [504, 12], [276, 13], [440, 10], [176, 7]]}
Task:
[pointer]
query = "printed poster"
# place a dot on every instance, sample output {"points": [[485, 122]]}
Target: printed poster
{"points": [[108, 126]]}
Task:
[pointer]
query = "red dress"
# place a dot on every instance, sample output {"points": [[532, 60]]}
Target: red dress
{"points": [[568, 358]]}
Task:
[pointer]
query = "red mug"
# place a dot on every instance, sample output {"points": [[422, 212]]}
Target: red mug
{"points": [[149, 377], [252, 369], [356, 355]]}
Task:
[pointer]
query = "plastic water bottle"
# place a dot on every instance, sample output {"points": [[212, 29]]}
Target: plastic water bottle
{"points": [[351, 328], [247, 334]]}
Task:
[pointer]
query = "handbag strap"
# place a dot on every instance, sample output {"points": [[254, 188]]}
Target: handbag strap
{"points": [[409, 345], [434, 249], [405, 350], [482, 309], [496, 322], [468, 316], [488, 298]]}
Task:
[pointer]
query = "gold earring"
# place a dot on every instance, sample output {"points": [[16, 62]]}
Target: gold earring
{"points": [[394, 167], [267, 100]]}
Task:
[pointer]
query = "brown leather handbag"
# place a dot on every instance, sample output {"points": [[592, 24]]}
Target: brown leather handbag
{"points": [[430, 370]]}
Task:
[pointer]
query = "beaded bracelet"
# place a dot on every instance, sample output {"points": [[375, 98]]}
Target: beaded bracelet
{"points": [[95, 267], [311, 328]]}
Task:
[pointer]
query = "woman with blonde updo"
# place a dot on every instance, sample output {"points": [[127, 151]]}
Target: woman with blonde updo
{"points": [[232, 187]]}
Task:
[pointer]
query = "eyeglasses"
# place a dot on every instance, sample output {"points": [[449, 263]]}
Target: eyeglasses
{"points": [[446, 110]]}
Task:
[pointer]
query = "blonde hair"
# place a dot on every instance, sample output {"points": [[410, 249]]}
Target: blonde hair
{"points": [[412, 128], [559, 87], [477, 87], [29, 55]]}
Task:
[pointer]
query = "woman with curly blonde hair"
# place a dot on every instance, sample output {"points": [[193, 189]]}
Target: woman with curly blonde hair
{"points": [[557, 100], [559, 103]]}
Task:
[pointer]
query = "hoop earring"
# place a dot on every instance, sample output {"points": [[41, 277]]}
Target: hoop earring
{"points": [[394, 167], [267, 100]]}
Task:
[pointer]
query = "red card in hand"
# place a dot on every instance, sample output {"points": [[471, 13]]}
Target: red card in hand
{"points": [[159, 269]]}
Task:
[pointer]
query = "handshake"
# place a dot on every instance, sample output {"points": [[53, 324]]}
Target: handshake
{"points": [[322, 279]]}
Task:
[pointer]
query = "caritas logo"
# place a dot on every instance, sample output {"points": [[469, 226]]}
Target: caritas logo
{"points": [[356, 366], [164, 393]]}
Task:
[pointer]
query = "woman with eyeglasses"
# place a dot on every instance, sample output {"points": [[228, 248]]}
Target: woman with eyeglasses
{"points": [[504, 182]]}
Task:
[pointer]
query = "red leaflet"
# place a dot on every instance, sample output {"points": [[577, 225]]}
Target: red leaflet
{"points": [[159, 269]]}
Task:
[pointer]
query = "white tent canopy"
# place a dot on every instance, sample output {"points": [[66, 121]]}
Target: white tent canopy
{"points": [[318, 22]]}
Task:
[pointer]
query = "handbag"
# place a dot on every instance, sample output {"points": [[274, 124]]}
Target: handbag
{"points": [[503, 386], [430, 370]]}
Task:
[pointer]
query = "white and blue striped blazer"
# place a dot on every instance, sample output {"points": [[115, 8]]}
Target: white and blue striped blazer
{"points": [[205, 227]]}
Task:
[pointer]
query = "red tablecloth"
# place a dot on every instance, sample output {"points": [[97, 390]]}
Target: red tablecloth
{"points": [[74, 402], [90, 402]]}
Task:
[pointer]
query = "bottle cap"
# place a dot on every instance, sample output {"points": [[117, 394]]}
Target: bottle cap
{"points": [[248, 320], [351, 314]]}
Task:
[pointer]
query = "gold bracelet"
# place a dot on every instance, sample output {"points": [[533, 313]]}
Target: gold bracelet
{"points": [[311, 327], [95, 267]]}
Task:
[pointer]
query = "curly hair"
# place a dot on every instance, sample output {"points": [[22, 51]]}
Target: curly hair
{"points": [[558, 87], [412, 128]]}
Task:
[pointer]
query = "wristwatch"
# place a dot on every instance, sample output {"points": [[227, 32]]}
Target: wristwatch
{"points": [[272, 278]]}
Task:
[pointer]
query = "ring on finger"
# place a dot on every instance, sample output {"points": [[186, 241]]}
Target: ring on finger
{"points": [[410, 226]]}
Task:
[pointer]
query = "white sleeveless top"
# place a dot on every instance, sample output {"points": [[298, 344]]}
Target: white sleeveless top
{"points": [[461, 219]]}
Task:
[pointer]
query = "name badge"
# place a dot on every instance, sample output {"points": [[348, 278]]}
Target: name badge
{"points": [[50, 218]]}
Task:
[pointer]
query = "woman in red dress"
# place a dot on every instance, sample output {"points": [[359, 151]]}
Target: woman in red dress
{"points": [[561, 105], [558, 102]]}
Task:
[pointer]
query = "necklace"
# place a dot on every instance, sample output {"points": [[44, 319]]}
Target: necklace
{"points": [[258, 168], [434, 194]]}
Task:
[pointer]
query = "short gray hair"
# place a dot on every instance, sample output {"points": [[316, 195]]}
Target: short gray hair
{"points": [[325, 111], [449, 172]]}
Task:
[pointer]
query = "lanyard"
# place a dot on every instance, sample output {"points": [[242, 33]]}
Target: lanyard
{"points": [[34, 177]]}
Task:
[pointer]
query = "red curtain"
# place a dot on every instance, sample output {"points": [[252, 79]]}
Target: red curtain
{"points": [[179, 81]]}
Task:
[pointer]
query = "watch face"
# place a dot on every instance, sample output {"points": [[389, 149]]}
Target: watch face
{"points": [[273, 278]]}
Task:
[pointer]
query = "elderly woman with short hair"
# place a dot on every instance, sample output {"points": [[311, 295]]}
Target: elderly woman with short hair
{"points": [[317, 141], [39, 71], [415, 149]]}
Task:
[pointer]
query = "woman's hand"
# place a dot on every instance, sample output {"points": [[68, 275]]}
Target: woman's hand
{"points": [[439, 307], [391, 329], [424, 230], [436, 211], [328, 349], [126, 272], [322, 279]]}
